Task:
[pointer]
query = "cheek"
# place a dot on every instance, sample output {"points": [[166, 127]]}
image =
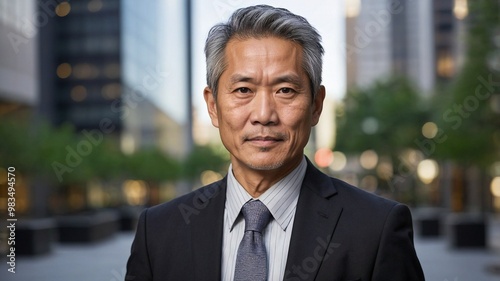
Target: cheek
{"points": [[231, 121], [299, 123], [297, 118]]}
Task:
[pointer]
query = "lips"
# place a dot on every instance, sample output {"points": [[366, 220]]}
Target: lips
{"points": [[264, 140]]}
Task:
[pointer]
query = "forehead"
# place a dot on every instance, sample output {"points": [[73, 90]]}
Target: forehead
{"points": [[263, 52]]}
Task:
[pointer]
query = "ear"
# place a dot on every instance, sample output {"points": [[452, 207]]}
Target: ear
{"points": [[211, 106], [318, 104]]}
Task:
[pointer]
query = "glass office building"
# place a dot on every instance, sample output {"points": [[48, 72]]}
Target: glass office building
{"points": [[105, 60]]}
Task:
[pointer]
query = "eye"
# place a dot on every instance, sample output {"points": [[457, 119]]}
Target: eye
{"points": [[243, 90], [286, 90]]}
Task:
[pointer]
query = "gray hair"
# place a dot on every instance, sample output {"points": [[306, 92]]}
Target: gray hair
{"points": [[263, 21]]}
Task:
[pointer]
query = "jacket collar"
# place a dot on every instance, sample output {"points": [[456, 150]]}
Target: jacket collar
{"points": [[318, 211]]}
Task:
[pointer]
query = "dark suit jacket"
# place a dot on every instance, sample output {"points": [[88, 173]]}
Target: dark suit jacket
{"points": [[340, 233]]}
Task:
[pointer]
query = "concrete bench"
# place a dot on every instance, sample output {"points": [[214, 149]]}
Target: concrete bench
{"points": [[88, 227], [35, 236], [129, 216], [428, 222], [467, 231]]}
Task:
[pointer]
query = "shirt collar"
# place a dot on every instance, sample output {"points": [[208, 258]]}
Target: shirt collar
{"points": [[280, 199]]}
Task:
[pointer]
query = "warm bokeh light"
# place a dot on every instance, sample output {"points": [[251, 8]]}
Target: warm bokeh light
{"points": [[63, 9], [209, 176], [85, 71], [495, 186], [135, 192], [127, 144], [64, 70], [339, 161], [385, 170], [95, 194], [94, 6], [429, 130], [368, 159], [323, 157], [460, 9], [445, 65], [427, 170], [352, 8], [78, 93], [111, 91]]}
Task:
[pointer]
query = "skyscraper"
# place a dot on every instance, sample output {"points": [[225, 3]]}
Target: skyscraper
{"points": [[103, 62], [416, 39], [18, 64]]}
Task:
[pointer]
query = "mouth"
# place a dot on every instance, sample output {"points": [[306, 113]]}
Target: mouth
{"points": [[264, 141]]}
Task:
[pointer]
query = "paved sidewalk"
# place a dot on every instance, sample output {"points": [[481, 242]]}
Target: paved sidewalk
{"points": [[105, 261]]}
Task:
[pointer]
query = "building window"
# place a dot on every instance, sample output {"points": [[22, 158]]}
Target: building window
{"points": [[78, 93], [64, 70], [445, 65]]}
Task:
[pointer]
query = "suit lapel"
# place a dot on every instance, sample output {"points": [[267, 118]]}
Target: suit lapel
{"points": [[315, 221], [207, 228]]}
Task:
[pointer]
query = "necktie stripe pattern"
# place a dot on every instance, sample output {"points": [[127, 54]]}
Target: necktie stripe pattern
{"points": [[251, 261]]}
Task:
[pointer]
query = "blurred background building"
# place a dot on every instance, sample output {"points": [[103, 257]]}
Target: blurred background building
{"points": [[18, 64], [421, 40]]}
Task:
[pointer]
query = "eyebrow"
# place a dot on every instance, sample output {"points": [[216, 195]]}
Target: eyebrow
{"points": [[287, 78]]}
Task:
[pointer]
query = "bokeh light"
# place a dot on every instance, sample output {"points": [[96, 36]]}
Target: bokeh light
{"points": [[495, 186], [63, 9], [368, 159], [339, 161], [427, 170], [64, 70], [209, 176], [429, 130], [323, 157], [135, 192]]}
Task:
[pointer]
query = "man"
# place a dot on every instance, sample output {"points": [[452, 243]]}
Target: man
{"points": [[274, 216]]}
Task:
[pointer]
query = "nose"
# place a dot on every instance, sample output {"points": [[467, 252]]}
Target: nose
{"points": [[263, 109]]}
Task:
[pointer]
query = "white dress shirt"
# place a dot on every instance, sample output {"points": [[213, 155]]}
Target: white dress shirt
{"points": [[281, 200]]}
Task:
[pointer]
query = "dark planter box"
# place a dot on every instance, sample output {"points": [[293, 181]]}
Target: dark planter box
{"points": [[35, 237], [467, 231], [88, 227], [428, 222], [129, 216]]}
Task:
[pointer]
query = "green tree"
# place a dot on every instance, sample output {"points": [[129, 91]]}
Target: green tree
{"points": [[386, 117], [465, 109], [152, 164], [204, 158]]}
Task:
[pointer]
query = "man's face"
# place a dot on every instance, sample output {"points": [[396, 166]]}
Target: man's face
{"points": [[264, 108]]}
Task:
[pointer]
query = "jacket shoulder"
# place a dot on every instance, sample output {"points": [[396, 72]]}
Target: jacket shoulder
{"points": [[357, 195], [190, 202]]}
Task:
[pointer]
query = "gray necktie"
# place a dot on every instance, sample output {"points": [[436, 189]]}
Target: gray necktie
{"points": [[251, 261]]}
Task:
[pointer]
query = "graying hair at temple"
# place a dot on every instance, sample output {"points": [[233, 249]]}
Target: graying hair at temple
{"points": [[258, 22]]}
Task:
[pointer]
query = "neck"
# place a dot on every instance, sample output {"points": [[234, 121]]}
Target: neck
{"points": [[256, 182]]}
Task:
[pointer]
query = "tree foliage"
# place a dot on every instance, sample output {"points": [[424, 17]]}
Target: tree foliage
{"points": [[62, 156], [204, 158], [386, 117], [465, 112]]}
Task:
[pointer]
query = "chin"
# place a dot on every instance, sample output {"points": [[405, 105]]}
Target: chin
{"points": [[265, 165]]}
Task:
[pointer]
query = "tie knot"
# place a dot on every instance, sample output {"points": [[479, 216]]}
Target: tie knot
{"points": [[256, 215]]}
